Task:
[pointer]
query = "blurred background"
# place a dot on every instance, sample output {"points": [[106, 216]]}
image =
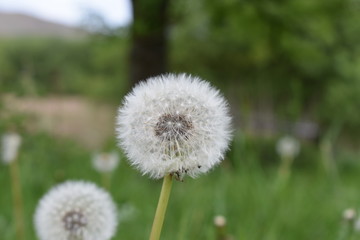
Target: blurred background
{"points": [[288, 68]]}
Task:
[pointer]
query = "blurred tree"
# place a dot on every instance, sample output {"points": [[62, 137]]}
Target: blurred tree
{"points": [[95, 23], [148, 56], [46, 66], [283, 56]]}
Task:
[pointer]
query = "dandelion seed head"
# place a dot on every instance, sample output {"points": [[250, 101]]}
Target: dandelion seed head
{"points": [[10, 144], [76, 210], [357, 225], [219, 221], [174, 124], [288, 147], [349, 214], [105, 162]]}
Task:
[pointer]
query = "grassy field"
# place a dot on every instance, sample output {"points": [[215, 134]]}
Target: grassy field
{"points": [[245, 188]]}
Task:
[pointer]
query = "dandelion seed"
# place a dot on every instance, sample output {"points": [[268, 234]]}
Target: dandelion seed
{"points": [[174, 124], [76, 210], [10, 144]]}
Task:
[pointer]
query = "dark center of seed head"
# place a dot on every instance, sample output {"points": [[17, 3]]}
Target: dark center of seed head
{"points": [[173, 127], [74, 220]]}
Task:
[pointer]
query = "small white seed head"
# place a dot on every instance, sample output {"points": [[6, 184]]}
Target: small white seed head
{"points": [[349, 214], [288, 147], [219, 221], [357, 225], [10, 144], [105, 162]]}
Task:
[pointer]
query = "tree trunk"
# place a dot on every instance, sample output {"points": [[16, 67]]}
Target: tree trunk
{"points": [[148, 56]]}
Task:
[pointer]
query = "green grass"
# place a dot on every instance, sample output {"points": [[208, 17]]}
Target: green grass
{"points": [[244, 188]]}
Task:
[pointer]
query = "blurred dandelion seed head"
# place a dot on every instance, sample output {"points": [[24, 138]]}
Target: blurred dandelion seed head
{"points": [[105, 162], [349, 214], [10, 144], [76, 210], [174, 124], [219, 221], [357, 225], [288, 147]]}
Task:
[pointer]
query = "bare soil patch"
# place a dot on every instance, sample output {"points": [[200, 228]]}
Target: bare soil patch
{"points": [[80, 119]]}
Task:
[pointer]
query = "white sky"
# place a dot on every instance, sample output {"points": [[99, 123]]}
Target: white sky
{"points": [[71, 12]]}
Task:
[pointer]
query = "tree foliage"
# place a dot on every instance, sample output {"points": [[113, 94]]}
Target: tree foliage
{"points": [[299, 57], [95, 67]]}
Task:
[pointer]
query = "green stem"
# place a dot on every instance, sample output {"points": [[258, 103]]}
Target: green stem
{"points": [[17, 199], [285, 167], [161, 208], [220, 233], [106, 180]]}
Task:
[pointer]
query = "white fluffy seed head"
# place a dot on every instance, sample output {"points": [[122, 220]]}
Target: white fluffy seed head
{"points": [[349, 214], [105, 162], [174, 124], [10, 144], [76, 210], [219, 221], [288, 147], [357, 225]]}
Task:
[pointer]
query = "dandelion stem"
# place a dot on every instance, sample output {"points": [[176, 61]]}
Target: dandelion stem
{"points": [[17, 199], [161, 208], [285, 167], [106, 180]]}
